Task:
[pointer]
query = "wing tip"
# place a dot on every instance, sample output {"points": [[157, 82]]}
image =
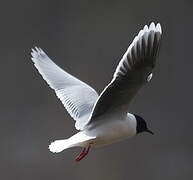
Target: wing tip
{"points": [[156, 28], [147, 29], [37, 53], [153, 27]]}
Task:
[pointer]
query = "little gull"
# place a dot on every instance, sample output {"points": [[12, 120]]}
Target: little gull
{"points": [[103, 119]]}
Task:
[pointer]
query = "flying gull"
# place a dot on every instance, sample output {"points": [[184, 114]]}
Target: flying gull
{"points": [[103, 119]]}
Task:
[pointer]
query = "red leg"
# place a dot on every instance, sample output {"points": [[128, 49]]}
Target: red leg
{"points": [[80, 156], [83, 153]]}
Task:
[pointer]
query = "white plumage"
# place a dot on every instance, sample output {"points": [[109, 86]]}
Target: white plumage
{"points": [[103, 119], [77, 97]]}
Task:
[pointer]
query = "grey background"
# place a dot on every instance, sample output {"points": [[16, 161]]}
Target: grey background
{"points": [[87, 39]]}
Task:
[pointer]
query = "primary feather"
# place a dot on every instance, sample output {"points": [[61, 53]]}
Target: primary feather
{"points": [[77, 97]]}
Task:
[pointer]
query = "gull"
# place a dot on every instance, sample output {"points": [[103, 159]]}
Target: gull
{"points": [[103, 119]]}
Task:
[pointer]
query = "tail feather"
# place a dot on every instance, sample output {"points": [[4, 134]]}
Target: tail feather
{"points": [[79, 139], [59, 145]]}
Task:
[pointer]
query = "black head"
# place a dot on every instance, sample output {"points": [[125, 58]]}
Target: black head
{"points": [[141, 125]]}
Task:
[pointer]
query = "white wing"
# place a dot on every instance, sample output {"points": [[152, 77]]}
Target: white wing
{"points": [[77, 97], [133, 71]]}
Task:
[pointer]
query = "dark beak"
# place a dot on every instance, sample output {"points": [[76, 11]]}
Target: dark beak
{"points": [[149, 131]]}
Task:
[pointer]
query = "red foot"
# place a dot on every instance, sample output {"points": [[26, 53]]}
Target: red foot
{"points": [[83, 153]]}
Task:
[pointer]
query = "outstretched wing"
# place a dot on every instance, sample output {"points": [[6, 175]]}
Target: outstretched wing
{"points": [[132, 72], [77, 97]]}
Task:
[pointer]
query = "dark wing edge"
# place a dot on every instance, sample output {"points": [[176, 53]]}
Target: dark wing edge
{"points": [[133, 71]]}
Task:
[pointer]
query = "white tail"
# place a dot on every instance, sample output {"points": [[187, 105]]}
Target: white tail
{"points": [[59, 145], [79, 139]]}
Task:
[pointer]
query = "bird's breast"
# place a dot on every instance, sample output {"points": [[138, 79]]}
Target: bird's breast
{"points": [[108, 131]]}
